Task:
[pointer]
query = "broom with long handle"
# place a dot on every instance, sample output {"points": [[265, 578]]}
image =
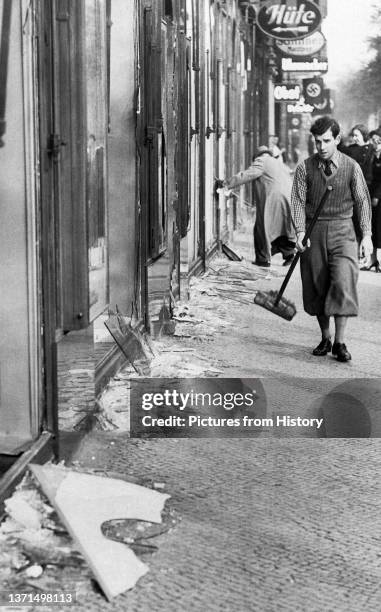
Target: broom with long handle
{"points": [[273, 300]]}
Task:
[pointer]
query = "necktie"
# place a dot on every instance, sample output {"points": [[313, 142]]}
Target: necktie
{"points": [[327, 168]]}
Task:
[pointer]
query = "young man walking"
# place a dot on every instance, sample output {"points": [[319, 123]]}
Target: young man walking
{"points": [[329, 262]]}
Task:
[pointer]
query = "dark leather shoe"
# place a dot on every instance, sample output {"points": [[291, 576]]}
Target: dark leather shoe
{"points": [[323, 348], [341, 352], [374, 265], [262, 264]]}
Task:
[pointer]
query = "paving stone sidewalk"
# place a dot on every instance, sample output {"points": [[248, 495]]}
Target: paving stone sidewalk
{"points": [[267, 525]]}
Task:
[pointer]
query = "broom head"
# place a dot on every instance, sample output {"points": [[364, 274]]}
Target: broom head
{"points": [[285, 308]]}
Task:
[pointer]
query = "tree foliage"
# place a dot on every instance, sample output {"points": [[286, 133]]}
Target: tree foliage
{"points": [[359, 95]]}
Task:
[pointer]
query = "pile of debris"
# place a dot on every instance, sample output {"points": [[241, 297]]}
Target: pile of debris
{"points": [[63, 529], [180, 355]]}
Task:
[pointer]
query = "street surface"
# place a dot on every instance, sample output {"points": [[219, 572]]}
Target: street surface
{"points": [[267, 525], [286, 520]]}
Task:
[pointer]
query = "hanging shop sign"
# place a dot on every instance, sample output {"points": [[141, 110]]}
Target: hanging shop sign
{"points": [[287, 91], [313, 90], [302, 47], [285, 22], [314, 65]]}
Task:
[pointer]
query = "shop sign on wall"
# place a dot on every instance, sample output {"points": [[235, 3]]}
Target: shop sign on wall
{"points": [[302, 47], [284, 21], [286, 91], [300, 107], [314, 65]]}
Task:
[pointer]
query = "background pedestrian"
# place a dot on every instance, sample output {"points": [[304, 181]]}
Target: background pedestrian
{"points": [[375, 194], [273, 228]]}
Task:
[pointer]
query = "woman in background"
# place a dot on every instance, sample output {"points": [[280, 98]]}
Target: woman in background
{"points": [[361, 150], [375, 195]]}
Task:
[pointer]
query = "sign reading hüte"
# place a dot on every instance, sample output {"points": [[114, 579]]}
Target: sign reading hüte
{"points": [[289, 22]]}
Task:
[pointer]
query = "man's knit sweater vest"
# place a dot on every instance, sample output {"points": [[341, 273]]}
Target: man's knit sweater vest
{"points": [[340, 202]]}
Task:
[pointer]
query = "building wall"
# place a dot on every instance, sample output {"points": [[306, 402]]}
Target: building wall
{"points": [[15, 273], [122, 194], [96, 122], [194, 136], [208, 121], [167, 61]]}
